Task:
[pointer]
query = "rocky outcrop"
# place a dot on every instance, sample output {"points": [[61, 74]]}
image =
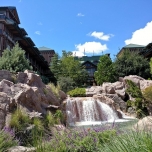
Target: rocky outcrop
{"points": [[29, 93], [139, 81], [117, 92], [90, 91]]}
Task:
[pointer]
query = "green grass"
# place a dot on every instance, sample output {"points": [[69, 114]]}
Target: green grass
{"points": [[55, 89], [7, 139], [130, 142]]}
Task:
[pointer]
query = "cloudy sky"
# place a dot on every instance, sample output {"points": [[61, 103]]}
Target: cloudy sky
{"points": [[93, 27]]}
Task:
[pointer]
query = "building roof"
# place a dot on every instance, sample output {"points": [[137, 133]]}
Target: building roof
{"points": [[43, 48], [13, 11], [92, 59], [88, 58], [133, 46]]}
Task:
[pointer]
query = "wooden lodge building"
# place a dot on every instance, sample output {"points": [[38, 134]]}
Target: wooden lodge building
{"points": [[146, 51], [131, 47], [10, 33], [90, 64]]}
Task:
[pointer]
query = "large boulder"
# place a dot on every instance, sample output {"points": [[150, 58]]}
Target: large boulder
{"points": [[90, 91], [119, 103], [106, 100], [139, 81], [114, 88], [134, 78], [144, 124], [28, 77]]}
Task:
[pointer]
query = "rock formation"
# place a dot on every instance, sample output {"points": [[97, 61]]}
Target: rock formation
{"points": [[28, 93], [117, 92]]}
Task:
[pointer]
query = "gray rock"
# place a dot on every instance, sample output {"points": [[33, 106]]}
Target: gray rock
{"points": [[21, 149]]}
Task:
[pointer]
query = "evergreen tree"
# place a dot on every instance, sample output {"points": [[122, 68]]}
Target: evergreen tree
{"points": [[67, 66], [14, 60], [105, 70], [55, 66], [131, 63]]}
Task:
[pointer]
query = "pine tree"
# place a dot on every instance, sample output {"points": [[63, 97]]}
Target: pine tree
{"points": [[105, 71], [14, 60], [55, 66]]}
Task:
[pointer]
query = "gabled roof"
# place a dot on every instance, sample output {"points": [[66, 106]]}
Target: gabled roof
{"points": [[88, 58], [133, 46], [43, 48], [13, 11], [89, 63]]}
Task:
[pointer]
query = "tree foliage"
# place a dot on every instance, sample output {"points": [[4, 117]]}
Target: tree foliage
{"points": [[66, 83], [67, 66], [14, 60], [105, 71], [131, 63], [55, 65]]}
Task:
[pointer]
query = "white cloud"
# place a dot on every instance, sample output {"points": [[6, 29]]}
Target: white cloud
{"points": [[89, 47], [40, 23], [37, 32], [100, 35], [142, 36], [80, 14]]}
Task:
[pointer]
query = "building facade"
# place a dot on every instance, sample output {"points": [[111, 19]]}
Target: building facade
{"points": [[10, 33], [47, 53], [132, 48], [90, 64]]}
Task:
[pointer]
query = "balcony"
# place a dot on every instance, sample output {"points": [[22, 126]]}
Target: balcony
{"points": [[5, 19]]}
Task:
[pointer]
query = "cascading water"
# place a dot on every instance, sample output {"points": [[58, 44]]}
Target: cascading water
{"points": [[88, 110]]}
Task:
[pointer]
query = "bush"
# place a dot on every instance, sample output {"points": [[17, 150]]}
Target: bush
{"points": [[133, 90], [49, 119], [66, 83], [14, 60], [147, 93], [19, 120], [80, 140], [77, 92]]}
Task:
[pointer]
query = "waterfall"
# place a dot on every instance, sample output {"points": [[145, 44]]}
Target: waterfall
{"points": [[88, 110]]}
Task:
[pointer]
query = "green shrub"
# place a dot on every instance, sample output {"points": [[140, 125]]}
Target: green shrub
{"points": [[66, 83], [82, 140], [49, 119], [77, 92], [147, 93], [133, 90], [139, 103], [19, 120], [129, 103], [58, 116]]}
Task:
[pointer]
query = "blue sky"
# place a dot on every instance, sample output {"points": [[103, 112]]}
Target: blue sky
{"points": [[96, 26]]}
